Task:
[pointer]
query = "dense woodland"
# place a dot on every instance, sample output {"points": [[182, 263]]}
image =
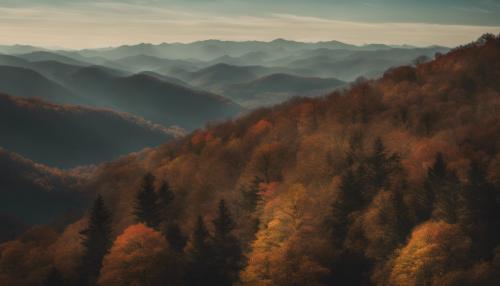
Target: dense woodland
{"points": [[394, 181]]}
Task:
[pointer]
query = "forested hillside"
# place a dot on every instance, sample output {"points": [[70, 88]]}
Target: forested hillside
{"points": [[68, 135], [392, 182]]}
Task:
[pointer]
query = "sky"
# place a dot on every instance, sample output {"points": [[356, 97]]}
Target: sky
{"points": [[76, 24]]}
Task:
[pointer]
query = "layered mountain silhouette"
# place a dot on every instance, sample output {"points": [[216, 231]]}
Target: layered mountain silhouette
{"points": [[69, 136], [157, 98], [276, 88], [390, 181]]}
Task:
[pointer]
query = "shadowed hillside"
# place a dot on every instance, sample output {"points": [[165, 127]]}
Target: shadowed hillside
{"points": [[157, 98], [28, 83], [69, 136], [33, 193]]}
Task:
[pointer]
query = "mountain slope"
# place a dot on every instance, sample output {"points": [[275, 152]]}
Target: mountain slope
{"points": [[391, 182], [28, 83], [69, 136], [49, 56], [277, 88], [153, 99], [33, 193], [157, 98]]}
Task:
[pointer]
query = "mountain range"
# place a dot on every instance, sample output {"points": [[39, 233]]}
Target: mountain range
{"points": [[390, 181], [69, 136]]}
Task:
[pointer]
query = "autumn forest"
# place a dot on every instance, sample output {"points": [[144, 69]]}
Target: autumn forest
{"points": [[387, 181]]}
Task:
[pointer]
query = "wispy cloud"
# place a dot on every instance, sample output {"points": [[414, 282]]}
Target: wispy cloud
{"points": [[111, 23]]}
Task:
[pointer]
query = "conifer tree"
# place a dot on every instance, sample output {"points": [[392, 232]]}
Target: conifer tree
{"points": [[228, 256], [96, 241], [349, 199], [436, 175], [200, 269], [441, 192], [251, 195], [479, 211], [146, 203], [166, 197], [382, 164], [401, 217], [54, 278], [175, 237]]}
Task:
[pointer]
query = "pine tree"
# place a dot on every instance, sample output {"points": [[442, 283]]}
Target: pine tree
{"points": [[96, 241], [200, 269], [54, 278], [166, 197], [436, 175], [228, 256], [479, 211], [251, 195], [439, 198], [349, 199], [146, 204], [175, 237], [401, 217], [381, 165]]}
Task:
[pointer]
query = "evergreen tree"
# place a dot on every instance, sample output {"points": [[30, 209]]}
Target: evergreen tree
{"points": [[54, 278], [146, 204], [400, 218], [175, 237], [166, 197], [251, 195], [441, 192], [200, 269], [96, 241], [436, 175], [349, 199], [479, 211], [381, 165], [228, 256]]}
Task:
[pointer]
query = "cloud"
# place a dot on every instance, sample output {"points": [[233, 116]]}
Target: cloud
{"points": [[111, 23]]}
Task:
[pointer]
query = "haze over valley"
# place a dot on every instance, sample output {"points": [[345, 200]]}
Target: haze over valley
{"points": [[249, 143]]}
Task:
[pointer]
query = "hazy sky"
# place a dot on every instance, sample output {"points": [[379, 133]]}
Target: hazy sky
{"points": [[101, 23]]}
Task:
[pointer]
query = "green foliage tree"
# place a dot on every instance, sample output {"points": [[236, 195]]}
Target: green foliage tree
{"points": [[146, 203], [96, 241]]}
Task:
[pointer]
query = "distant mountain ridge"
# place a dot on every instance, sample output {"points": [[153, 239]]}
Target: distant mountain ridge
{"points": [[158, 98], [69, 136]]}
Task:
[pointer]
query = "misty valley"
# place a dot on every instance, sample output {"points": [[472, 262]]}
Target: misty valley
{"points": [[218, 157]]}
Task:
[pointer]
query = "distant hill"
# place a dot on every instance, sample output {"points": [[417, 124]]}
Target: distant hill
{"points": [[221, 74], [16, 49], [141, 62], [152, 98], [50, 56], [33, 193], [277, 88], [29, 83], [158, 98], [69, 136], [211, 49]]}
